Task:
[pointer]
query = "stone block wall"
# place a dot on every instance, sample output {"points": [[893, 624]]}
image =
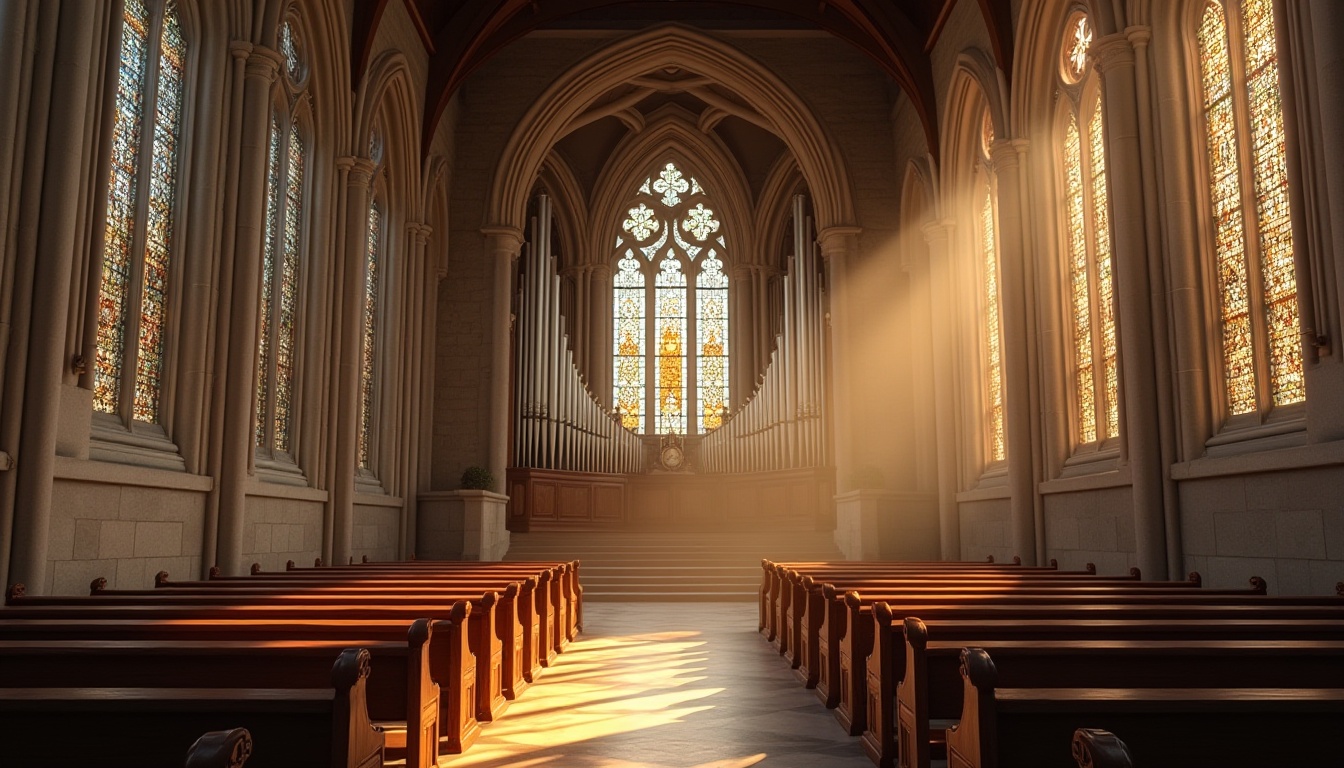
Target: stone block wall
{"points": [[1287, 527], [1091, 527], [278, 530], [985, 530], [377, 533], [123, 533]]}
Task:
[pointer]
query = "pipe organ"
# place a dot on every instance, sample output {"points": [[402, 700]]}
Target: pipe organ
{"points": [[559, 424], [782, 425], [576, 467]]}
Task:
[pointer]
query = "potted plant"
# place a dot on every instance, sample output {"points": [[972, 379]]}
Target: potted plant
{"points": [[477, 479]]}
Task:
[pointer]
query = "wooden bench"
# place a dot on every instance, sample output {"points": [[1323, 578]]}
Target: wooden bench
{"points": [[402, 698], [841, 652], [929, 695], [513, 613], [452, 665], [150, 727], [1226, 727]]}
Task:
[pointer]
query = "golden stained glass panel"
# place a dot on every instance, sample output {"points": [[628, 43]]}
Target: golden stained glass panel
{"points": [[1105, 290], [994, 352], [1079, 284]]}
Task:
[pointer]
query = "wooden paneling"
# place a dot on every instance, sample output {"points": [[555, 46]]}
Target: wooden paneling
{"points": [[795, 499]]}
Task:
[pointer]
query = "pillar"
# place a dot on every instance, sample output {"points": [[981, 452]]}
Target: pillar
{"points": [[938, 235], [600, 311], [59, 115], [1018, 331], [348, 339], [262, 67], [1115, 61], [839, 245], [502, 248]]}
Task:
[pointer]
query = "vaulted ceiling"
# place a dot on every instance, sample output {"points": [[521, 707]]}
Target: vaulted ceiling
{"points": [[461, 35]]}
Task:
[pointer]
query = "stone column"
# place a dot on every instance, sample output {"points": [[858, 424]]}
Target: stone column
{"points": [[1017, 331], [938, 234], [838, 246], [416, 424], [1325, 379], [599, 320], [240, 389], [502, 247], [348, 339], [58, 115], [742, 369], [1115, 62]]}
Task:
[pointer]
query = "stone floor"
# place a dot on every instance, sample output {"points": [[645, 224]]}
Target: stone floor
{"points": [[651, 685]]}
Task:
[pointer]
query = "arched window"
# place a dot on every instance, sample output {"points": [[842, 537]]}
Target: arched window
{"points": [[139, 243], [671, 262], [281, 255], [987, 247], [1088, 241], [375, 247], [1261, 358]]}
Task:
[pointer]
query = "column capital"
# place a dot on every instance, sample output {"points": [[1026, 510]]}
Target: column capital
{"points": [[359, 170], [838, 241], [601, 270], [1113, 52], [1139, 36], [419, 232], [262, 63], [1006, 154], [503, 240]]}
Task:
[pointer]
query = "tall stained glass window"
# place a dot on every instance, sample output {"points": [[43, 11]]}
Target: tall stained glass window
{"points": [[1088, 241], [670, 345], [1252, 244], [998, 449], [369, 342], [281, 257], [139, 239]]}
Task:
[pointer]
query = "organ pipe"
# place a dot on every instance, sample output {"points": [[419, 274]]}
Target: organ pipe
{"points": [[782, 425], [561, 424]]}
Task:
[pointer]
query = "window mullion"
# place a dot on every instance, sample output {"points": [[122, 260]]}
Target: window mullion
{"points": [[1099, 421]]}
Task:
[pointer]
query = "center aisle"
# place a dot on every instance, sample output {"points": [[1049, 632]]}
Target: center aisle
{"points": [[652, 685]]}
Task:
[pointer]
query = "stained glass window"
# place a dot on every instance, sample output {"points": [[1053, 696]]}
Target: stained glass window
{"points": [[1077, 40], [993, 342], [711, 312], [670, 351], [1079, 283], [133, 298], [368, 358], [1253, 247], [278, 333], [1105, 280], [674, 302], [628, 354]]}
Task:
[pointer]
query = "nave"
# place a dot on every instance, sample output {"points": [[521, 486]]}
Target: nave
{"points": [[656, 685]]}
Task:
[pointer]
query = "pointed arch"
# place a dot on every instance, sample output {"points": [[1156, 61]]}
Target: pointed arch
{"points": [[671, 46]]}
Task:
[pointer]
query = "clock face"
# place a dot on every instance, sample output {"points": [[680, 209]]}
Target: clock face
{"points": [[672, 457]]}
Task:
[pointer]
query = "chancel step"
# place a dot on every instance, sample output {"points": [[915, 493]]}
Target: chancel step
{"points": [[642, 566]]}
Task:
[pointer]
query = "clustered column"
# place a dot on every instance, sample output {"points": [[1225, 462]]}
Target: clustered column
{"points": [[938, 235], [502, 248]]}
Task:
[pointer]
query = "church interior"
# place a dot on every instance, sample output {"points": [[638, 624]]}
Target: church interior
{"points": [[975, 343]]}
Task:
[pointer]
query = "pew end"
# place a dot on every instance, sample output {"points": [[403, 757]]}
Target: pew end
{"points": [[97, 585], [1097, 748], [221, 749], [15, 591]]}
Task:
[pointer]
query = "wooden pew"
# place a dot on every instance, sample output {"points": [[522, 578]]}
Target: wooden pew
{"points": [[931, 689], [452, 665], [1226, 727], [482, 640], [554, 605], [515, 648], [523, 617], [841, 652], [402, 698], [151, 727], [773, 574], [565, 591]]}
